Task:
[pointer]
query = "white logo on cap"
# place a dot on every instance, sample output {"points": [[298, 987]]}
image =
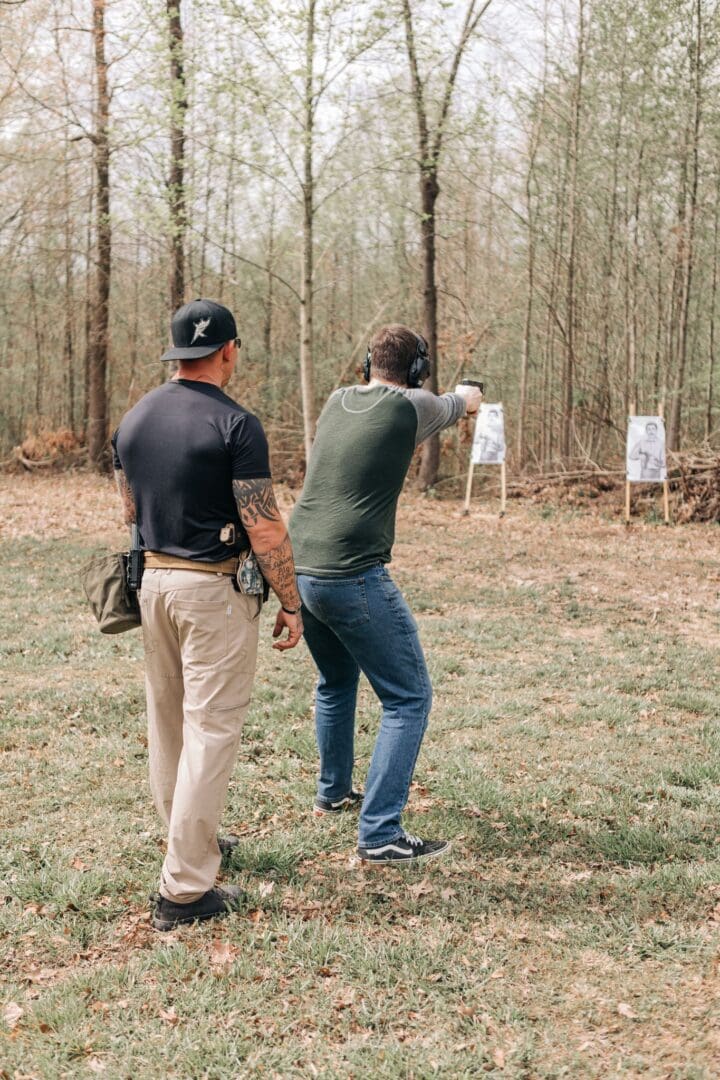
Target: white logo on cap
{"points": [[200, 327]]}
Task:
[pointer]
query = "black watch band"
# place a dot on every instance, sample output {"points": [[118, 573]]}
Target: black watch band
{"points": [[290, 611]]}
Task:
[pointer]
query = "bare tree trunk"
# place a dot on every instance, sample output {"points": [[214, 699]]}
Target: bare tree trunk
{"points": [[351, 283], [713, 307], [659, 329], [570, 300], [89, 288], [269, 290], [307, 277], [550, 422], [98, 405], [631, 318], [135, 324], [429, 156], [199, 287], [39, 365], [69, 301], [604, 398], [429, 191], [176, 179], [228, 230], [689, 238], [530, 290]]}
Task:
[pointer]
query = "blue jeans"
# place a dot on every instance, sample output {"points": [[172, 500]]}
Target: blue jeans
{"points": [[362, 623]]}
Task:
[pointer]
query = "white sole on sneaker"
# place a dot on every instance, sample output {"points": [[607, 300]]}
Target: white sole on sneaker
{"points": [[412, 860], [343, 808]]}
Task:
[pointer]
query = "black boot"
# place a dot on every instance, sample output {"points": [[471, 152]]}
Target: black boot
{"points": [[213, 904]]}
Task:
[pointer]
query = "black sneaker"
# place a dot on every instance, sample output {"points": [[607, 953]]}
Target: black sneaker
{"points": [[227, 844], [351, 801], [213, 904], [405, 849]]}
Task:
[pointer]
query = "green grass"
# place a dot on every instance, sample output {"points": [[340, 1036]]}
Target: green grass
{"points": [[573, 756]]}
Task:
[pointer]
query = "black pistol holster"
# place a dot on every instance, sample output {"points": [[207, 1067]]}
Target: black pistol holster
{"points": [[135, 561]]}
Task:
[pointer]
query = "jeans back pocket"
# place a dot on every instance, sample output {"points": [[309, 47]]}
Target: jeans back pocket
{"points": [[339, 601]]}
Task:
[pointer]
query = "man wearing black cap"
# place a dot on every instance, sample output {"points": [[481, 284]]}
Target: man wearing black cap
{"points": [[193, 470]]}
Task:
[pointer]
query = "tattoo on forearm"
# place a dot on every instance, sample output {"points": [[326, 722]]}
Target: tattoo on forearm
{"points": [[126, 495], [255, 501], [278, 568]]}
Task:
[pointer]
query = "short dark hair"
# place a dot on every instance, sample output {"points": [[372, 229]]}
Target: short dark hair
{"points": [[392, 351]]}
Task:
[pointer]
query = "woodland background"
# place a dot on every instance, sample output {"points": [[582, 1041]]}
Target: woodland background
{"points": [[534, 184]]}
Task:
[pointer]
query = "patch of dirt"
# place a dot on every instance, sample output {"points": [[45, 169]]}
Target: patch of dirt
{"points": [[54, 506]]}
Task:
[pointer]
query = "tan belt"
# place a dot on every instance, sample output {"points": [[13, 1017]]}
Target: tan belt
{"points": [[157, 560]]}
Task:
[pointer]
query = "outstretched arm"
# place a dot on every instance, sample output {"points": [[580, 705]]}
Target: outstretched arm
{"points": [[270, 542], [437, 413]]}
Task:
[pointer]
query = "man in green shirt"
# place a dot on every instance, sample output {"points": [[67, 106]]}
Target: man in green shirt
{"points": [[355, 618]]}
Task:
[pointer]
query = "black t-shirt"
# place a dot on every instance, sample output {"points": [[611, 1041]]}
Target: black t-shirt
{"points": [[180, 448]]}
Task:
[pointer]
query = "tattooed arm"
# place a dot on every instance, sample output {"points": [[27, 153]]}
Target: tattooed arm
{"points": [[129, 516], [270, 542]]}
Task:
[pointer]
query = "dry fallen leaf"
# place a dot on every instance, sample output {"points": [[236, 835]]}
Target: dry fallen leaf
{"points": [[11, 1014], [169, 1016], [626, 1010], [499, 1057], [423, 888], [38, 909], [344, 1000], [222, 953], [78, 864], [266, 888], [96, 1065]]}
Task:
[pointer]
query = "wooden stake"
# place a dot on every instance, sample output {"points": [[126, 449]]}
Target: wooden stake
{"points": [[503, 489], [666, 486], [468, 486], [633, 410]]}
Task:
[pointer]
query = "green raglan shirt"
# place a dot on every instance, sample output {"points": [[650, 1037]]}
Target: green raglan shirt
{"points": [[344, 520]]}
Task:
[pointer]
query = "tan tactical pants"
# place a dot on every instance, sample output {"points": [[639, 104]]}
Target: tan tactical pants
{"points": [[200, 651]]}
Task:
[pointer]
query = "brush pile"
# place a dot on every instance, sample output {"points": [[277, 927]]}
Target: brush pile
{"points": [[56, 450], [695, 477]]}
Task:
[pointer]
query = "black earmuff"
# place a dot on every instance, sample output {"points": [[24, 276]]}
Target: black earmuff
{"points": [[366, 364], [419, 366]]}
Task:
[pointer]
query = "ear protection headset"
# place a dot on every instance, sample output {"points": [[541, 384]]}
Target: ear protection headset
{"points": [[419, 365]]}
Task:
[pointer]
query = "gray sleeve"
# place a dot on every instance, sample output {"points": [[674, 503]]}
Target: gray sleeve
{"points": [[434, 413]]}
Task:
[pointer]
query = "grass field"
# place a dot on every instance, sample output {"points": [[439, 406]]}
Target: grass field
{"points": [[573, 756]]}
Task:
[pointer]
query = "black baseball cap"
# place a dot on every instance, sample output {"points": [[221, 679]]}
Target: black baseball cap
{"points": [[199, 329]]}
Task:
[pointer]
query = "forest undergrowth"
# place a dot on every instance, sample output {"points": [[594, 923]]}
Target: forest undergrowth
{"points": [[573, 757]]}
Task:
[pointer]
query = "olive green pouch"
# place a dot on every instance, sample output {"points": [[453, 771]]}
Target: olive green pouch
{"points": [[114, 605]]}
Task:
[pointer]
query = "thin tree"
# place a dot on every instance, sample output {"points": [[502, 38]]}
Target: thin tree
{"points": [[568, 427], [430, 147], [686, 236], [176, 177], [713, 312], [97, 429], [307, 279]]}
